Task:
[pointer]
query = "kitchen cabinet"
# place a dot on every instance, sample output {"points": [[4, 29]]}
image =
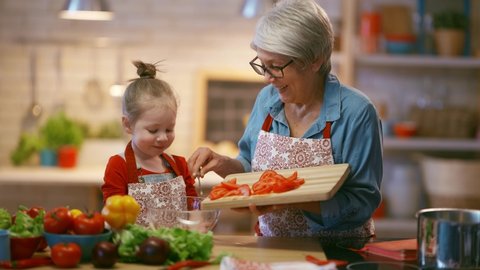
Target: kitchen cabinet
{"points": [[398, 82]]}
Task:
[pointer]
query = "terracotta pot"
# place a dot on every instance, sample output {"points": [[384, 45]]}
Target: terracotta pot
{"points": [[449, 42]]}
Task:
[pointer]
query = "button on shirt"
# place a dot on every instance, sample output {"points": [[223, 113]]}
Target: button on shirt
{"points": [[356, 139]]}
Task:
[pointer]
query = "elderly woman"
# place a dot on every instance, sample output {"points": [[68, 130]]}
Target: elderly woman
{"points": [[307, 115]]}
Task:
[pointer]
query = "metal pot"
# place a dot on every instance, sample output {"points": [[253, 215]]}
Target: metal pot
{"points": [[448, 238]]}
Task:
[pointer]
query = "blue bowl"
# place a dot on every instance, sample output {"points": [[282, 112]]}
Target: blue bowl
{"points": [[399, 47], [86, 242], [4, 245]]}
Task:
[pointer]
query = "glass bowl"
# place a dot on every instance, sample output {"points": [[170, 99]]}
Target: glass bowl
{"points": [[181, 212]]}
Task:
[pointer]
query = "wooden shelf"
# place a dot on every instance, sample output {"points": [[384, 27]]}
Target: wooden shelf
{"points": [[432, 144], [419, 61], [396, 228]]}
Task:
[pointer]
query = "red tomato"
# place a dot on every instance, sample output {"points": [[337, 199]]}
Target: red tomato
{"points": [[34, 211], [89, 223], [66, 255], [58, 220]]}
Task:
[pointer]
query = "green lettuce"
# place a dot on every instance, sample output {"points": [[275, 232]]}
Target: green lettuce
{"points": [[184, 244], [25, 226]]}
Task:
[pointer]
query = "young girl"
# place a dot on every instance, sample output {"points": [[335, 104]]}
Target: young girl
{"points": [[144, 170]]}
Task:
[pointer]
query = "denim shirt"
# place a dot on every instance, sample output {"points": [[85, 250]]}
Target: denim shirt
{"points": [[356, 139]]}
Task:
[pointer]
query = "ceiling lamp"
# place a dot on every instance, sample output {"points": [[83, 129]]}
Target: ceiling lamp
{"points": [[94, 10], [254, 8]]}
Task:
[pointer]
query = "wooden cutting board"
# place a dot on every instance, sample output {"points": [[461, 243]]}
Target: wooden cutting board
{"points": [[321, 183]]}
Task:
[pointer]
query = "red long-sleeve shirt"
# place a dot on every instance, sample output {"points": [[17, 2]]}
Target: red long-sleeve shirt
{"points": [[116, 178]]}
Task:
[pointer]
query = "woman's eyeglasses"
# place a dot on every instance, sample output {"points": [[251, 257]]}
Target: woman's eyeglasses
{"points": [[273, 71]]}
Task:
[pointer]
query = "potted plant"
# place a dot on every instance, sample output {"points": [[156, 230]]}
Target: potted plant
{"points": [[63, 137], [28, 145], [450, 27]]}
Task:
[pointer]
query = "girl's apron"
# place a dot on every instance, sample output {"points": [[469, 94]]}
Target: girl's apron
{"points": [[276, 152], [146, 189]]}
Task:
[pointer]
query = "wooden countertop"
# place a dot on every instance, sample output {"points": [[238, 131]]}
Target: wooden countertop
{"points": [[259, 249], [274, 249]]}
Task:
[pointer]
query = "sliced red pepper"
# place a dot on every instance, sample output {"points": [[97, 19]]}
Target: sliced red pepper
{"points": [[229, 185], [262, 188], [298, 182], [233, 192], [293, 176], [27, 263], [188, 263], [217, 193], [269, 181], [283, 186], [268, 173]]}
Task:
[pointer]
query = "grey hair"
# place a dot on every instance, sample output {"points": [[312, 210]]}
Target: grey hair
{"points": [[297, 28]]}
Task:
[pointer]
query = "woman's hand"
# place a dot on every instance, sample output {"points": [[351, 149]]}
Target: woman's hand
{"points": [[205, 159], [200, 163]]}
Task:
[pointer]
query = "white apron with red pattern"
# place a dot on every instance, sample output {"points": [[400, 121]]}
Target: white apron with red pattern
{"points": [[146, 193], [146, 188], [276, 152]]}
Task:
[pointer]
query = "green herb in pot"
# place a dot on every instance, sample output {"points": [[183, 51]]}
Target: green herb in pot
{"points": [[5, 219]]}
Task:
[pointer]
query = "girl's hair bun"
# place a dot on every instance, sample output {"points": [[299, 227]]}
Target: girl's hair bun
{"points": [[145, 70]]}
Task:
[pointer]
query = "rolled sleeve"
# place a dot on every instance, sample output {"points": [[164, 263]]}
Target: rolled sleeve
{"points": [[358, 143]]}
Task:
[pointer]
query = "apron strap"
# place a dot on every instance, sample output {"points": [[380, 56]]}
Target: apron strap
{"points": [[131, 164], [267, 124], [171, 162], [132, 171], [327, 130]]}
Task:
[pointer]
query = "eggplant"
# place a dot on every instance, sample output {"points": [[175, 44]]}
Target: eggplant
{"points": [[104, 254], [153, 251]]}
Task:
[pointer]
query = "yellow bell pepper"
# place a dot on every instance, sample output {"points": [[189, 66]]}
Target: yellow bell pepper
{"points": [[75, 212], [120, 210]]}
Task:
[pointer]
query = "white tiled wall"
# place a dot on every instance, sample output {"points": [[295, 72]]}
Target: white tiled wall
{"points": [[189, 35]]}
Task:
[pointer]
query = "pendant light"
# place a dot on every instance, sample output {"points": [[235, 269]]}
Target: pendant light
{"points": [[117, 89], [254, 8], [93, 10]]}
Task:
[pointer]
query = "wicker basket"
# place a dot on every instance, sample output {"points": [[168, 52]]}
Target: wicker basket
{"points": [[451, 182]]}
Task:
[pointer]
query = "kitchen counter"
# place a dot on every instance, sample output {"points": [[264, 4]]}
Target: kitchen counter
{"points": [[81, 175], [266, 249]]}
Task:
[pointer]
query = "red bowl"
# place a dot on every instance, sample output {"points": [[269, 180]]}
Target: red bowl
{"points": [[404, 129], [24, 248]]}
